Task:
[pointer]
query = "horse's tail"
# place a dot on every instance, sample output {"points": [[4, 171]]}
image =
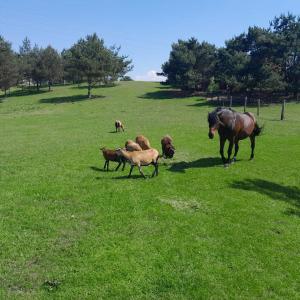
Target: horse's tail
{"points": [[257, 129]]}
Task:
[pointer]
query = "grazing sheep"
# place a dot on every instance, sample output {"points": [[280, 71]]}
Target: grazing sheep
{"points": [[132, 146], [119, 125], [143, 142], [168, 149], [112, 155], [141, 158]]}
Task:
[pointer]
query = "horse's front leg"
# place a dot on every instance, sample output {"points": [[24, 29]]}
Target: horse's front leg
{"points": [[222, 143]]}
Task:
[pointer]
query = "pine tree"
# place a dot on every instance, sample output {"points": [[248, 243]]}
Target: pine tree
{"points": [[8, 66]]}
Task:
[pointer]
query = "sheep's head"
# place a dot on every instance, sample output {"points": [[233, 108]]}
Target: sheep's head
{"points": [[169, 151]]}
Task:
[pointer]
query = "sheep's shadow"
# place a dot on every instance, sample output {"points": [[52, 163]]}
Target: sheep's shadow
{"points": [[100, 169], [206, 162], [289, 194], [135, 177]]}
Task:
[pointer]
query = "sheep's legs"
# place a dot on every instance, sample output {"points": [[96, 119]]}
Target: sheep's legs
{"points": [[131, 168], [155, 170], [118, 166], [105, 165], [124, 163], [140, 169]]}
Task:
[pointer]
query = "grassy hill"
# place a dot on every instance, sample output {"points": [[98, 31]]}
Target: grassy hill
{"points": [[198, 230]]}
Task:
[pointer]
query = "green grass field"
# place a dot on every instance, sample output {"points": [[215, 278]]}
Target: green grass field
{"points": [[198, 230]]}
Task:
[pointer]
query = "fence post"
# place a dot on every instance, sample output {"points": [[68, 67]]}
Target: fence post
{"points": [[223, 102], [258, 107], [245, 104], [218, 100], [230, 104], [282, 110]]}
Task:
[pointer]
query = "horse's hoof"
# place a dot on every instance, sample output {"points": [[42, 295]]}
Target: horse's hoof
{"points": [[226, 165]]}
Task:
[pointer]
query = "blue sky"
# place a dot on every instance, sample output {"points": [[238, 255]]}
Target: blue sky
{"points": [[145, 29]]}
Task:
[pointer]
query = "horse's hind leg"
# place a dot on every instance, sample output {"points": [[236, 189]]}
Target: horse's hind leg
{"points": [[252, 139], [236, 150], [229, 151]]}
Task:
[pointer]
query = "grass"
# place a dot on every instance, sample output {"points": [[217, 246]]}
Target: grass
{"points": [[70, 230]]}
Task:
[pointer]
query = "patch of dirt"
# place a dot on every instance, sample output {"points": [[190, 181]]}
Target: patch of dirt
{"points": [[191, 206]]}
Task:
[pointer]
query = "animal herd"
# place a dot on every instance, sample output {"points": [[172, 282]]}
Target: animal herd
{"points": [[138, 153], [231, 125]]}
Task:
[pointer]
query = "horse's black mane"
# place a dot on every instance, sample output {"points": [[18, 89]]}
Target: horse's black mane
{"points": [[213, 116]]}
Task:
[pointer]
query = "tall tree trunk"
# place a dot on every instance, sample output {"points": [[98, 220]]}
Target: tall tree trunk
{"points": [[49, 86], [4, 92], [37, 86]]}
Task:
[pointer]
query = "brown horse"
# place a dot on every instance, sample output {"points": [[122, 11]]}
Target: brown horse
{"points": [[233, 126]]}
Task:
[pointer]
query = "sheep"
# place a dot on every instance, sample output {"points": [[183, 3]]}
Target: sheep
{"points": [[143, 142], [132, 146], [119, 125], [141, 158], [168, 149], [112, 155]]}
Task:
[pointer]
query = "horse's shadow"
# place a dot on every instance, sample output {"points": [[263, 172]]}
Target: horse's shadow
{"points": [[206, 162]]}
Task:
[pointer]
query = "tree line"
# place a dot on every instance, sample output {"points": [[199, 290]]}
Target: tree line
{"points": [[88, 60], [259, 61]]}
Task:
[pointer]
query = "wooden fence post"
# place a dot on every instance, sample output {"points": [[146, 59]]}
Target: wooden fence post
{"points": [[282, 110], [223, 102], [245, 104], [230, 104], [218, 100], [258, 106]]}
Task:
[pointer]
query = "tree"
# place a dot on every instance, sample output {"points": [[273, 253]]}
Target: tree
{"points": [[51, 64], [70, 71], [126, 78], [231, 69], [287, 31], [91, 60], [191, 65], [38, 73], [25, 60], [8, 66]]}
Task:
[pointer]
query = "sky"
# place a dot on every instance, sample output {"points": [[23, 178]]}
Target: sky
{"points": [[145, 29]]}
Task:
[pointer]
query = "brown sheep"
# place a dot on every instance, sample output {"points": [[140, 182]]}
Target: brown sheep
{"points": [[132, 146], [141, 158], [168, 149], [143, 142], [112, 155], [119, 126]]}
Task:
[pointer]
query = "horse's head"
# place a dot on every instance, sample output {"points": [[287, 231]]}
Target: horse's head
{"points": [[214, 122]]}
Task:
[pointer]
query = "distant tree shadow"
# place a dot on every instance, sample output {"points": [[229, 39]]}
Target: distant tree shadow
{"points": [[85, 87], [165, 94], [289, 194], [206, 162], [66, 99], [24, 92]]}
